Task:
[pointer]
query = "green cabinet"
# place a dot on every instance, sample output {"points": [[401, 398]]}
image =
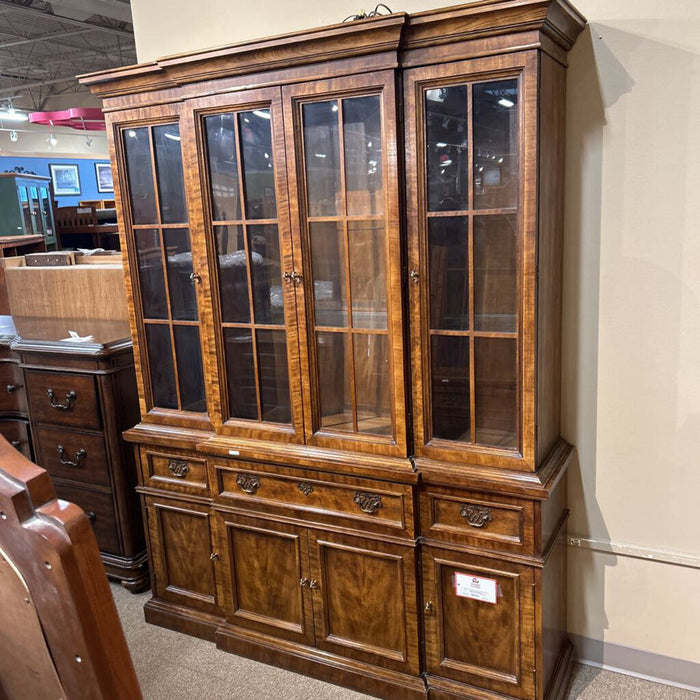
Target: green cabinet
{"points": [[25, 207]]}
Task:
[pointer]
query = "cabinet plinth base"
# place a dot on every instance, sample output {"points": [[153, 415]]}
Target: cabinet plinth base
{"points": [[130, 572], [181, 619], [561, 678]]}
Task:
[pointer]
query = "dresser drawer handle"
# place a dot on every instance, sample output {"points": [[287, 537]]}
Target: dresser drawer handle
{"points": [[11, 388], [71, 396], [476, 516], [179, 468], [80, 455], [92, 516], [368, 502], [305, 487], [248, 482]]}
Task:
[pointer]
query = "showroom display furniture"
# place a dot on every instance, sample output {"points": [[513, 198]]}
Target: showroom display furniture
{"points": [[25, 210], [344, 274]]}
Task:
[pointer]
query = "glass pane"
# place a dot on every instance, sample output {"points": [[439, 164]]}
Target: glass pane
{"points": [[46, 209], [449, 363], [495, 278], [448, 249], [447, 155], [223, 167], [178, 257], [258, 172], [264, 246], [139, 169], [240, 370], [328, 264], [322, 157], [233, 274], [160, 362], [26, 213], [372, 375], [274, 376], [332, 350], [496, 391], [189, 368], [151, 280], [171, 184], [36, 211], [367, 274], [495, 110], [362, 134]]}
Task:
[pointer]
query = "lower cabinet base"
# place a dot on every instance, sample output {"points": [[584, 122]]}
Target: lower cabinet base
{"points": [[182, 619], [130, 572]]}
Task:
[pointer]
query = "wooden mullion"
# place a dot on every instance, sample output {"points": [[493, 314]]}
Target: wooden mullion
{"points": [[241, 222], [147, 226], [476, 334], [470, 258]]}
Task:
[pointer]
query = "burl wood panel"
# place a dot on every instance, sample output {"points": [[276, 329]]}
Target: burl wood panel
{"points": [[82, 411]]}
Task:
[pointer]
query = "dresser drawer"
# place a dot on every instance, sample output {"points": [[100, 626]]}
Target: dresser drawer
{"points": [[63, 399], [478, 519], [13, 397], [174, 472], [16, 432], [315, 496], [99, 508], [73, 456]]}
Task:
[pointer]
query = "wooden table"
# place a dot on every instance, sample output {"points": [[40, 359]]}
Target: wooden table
{"points": [[21, 245]]}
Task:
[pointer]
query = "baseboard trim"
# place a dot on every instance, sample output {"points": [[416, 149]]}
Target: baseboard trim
{"points": [[637, 663]]}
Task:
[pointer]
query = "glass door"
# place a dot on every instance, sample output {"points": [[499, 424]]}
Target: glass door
{"points": [[165, 297], [344, 173]]}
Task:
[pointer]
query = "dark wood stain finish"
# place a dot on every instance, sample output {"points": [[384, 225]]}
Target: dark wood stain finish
{"points": [[299, 543]]}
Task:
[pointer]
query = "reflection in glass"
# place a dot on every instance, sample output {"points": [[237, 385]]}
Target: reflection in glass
{"points": [[171, 184], [495, 119], [46, 209], [328, 263], [240, 364], [496, 391], [334, 382], [274, 376], [258, 173], [223, 167], [447, 153], [449, 360], [140, 174], [372, 376], [151, 280], [495, 280], [264, 246], [178, 259], [233, 274], [36, 210], [367, 274], [322, 158], [160, 363], [189, 368], [26, 214], [448, 250], [362, 134]]}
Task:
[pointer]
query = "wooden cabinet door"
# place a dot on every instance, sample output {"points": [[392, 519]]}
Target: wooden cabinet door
{"points": [[181, 552], [486, 644], [266, 582], [364, 595]]}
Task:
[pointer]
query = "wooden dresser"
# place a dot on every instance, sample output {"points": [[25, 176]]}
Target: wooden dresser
{"points": [[343, 256]]}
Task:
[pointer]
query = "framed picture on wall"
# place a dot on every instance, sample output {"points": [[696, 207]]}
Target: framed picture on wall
{"points": [[103, 173], [65, 179]]}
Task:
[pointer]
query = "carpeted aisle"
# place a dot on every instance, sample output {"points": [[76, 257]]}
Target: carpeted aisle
{"points": [[173, 666]]}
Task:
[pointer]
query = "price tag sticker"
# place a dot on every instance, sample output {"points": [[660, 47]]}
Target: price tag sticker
{"points": [[476, 587]]}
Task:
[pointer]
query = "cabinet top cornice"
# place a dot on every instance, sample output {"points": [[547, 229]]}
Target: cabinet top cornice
{"points": [[557, 19]]}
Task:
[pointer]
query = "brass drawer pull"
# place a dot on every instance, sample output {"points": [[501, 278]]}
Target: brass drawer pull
{"points": [[11, 388], [368, 502], [71, 396], [178, 467], [79, 456], [248, 482], [305, 487], [476, 516]]}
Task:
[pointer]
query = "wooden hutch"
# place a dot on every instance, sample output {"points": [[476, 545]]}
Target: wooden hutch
{"points": [[343, 253]]}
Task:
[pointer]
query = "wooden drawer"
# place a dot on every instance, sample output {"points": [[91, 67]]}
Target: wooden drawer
{"points": [[478, 519], [13, 397], [315, 496], [174, 472], [16, 432], [63, 399], [86, 454], [99, 508]]}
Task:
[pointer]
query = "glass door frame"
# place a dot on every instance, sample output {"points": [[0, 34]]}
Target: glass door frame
{"points": [[524, 67], [116, 124], [201, 218], [294, 96]]}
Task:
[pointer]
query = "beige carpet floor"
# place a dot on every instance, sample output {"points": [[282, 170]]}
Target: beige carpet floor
{"points": [[173, 666]]}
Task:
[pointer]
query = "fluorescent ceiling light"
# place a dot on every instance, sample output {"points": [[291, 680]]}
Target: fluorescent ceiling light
{"points": [[260, 113], [172, 137], [12, 115], [505, 102]]}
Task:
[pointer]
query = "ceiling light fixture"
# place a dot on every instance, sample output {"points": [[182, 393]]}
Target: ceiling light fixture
{"points": [[260, 113], [505, 102]]}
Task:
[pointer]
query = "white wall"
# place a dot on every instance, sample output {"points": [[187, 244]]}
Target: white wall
{"points": [[632, 298]]}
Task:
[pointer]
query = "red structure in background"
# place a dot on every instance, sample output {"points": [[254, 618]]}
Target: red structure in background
{"points": [[83, 118]]}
